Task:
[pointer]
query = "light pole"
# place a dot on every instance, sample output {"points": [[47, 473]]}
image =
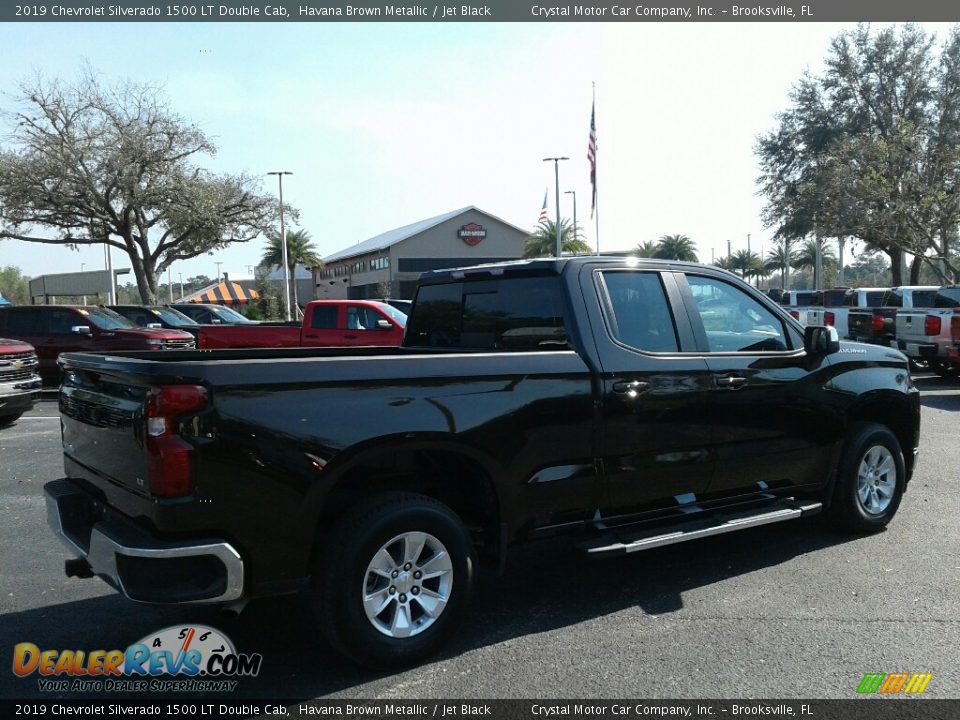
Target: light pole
{"points": [[218, 264], [82, 266], [574, 193], [181, 285], [169, 283], [556, 179], [283, 241]]}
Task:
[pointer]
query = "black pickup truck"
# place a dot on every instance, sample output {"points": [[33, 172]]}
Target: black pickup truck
{"points": [[631, 404]]}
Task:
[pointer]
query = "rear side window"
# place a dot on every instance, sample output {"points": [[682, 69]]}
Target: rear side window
{"points": [[510, 314], [892, 298], [639, 315], [948, 297], [23, 322], [324, 317], [924, 298]]}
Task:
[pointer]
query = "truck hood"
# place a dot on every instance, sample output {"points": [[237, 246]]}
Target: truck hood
{"points": [[866, 351], [9, 347], [158, 333]]}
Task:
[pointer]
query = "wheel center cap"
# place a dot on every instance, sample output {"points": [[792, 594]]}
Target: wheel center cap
{"points": [[404, 582]]}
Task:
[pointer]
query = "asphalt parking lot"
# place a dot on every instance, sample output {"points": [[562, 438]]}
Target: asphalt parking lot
{"points": [[789, 610]]}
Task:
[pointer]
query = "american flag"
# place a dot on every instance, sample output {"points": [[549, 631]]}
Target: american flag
{"points": [[543, 210], [592, 156]]}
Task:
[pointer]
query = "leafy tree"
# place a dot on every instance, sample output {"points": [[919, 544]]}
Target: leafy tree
{"points": [[871, 148], [300, 251], [543, 241], [91, 164], [676, 247], [646, 249], [14, 285], [727, 263]]}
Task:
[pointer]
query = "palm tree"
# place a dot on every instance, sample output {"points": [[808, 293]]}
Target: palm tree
{"points": [[806, 259], [780, 258], [726, 263], [543, 241], [677, 247], [646, 249], [747, 262], [300, 251]]}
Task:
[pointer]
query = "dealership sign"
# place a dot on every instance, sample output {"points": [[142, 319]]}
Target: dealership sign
{"points": [[472, 233]]}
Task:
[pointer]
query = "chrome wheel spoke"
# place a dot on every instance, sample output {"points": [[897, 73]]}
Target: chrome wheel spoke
{"points": [[401, 625], [376, 602], [431, 602], [436, 566], [413, 546]]}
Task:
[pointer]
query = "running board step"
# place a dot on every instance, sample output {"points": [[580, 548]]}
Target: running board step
{"points": [[714, 524]]}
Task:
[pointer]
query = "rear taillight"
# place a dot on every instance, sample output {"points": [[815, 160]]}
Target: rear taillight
{"points": [[829, 318], [931, 325], [795, 315], [878, 322], [171, 467]]}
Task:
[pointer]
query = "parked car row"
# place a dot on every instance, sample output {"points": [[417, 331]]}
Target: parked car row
{"points": [[49, 330], [919, 320]]}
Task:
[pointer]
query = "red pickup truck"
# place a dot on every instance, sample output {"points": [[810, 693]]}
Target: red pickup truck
{"points": [[19, 382], [326, 323], [53, 329]]}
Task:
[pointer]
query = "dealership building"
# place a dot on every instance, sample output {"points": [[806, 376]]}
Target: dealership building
{"points": [[394, 260]]}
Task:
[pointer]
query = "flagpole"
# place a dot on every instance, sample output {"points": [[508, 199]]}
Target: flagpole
{"points": [[596, 186]]}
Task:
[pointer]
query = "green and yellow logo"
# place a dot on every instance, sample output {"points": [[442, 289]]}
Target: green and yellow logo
{"points": [[894, 683]]}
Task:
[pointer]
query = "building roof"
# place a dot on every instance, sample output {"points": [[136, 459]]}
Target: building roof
{"points": [[392, 237]]}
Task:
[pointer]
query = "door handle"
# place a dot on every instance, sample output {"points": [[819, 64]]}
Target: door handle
{"points": [[731, 382], [310, 336], [349, 337], [631, 388]]}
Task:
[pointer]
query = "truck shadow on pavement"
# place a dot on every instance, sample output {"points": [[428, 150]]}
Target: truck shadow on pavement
{"points": [[939, 393], [547, 586]]}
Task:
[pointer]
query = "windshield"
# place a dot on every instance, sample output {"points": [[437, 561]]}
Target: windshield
{"points": [[228, 315], [106, 319], [172, 317], [400, 318]]}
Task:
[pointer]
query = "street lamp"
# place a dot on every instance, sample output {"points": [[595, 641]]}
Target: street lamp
{"points": [[283, 241], [218, 264], [82, 266], [574, 193], [556, 178]]}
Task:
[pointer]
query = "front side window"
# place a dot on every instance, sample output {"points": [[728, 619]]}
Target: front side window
{"points": [[733, 321], [324, 317], [639, 314]]}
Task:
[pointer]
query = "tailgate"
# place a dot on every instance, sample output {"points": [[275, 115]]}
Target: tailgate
{"points": [[860, 324], [103, 430], [910, 325]]}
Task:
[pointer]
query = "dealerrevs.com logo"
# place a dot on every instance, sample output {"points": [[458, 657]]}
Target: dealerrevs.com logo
{"points": [[176, 659]]}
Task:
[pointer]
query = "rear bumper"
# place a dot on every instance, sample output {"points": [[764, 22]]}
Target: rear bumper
{"points": [[142, 567], [921, 350]]}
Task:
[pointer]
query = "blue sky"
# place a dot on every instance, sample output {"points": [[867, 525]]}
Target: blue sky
{"points": [[387, 124]]}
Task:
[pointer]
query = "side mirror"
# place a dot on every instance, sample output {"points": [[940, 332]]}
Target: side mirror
{"points": [[820, 340], [80, 329], [384, 325]]}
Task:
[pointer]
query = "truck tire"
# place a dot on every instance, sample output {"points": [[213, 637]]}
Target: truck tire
{"points": [[392, 578], [870, 480], [8, 419]]}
